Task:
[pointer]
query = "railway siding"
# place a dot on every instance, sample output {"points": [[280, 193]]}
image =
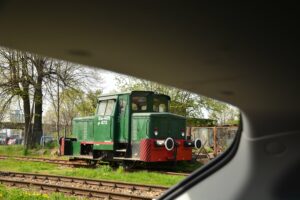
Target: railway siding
{"points": [[81, 186]]}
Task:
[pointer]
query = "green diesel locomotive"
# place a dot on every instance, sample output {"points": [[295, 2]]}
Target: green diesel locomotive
{"points": [[134, 126]]}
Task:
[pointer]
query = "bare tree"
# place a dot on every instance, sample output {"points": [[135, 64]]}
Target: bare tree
{"points": [[70, 77], [32, 78], [15, 81]]}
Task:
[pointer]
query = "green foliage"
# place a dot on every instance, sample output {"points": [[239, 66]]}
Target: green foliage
{"points": [[183, 102], [51, 145], [120, 170], [88, 103], [18, 194], [200, 122], [25, 152], [209, 149], [187, 166], [92, 98], [233, 122], [73, 103], [222, 112], [12, 150], [105, 169]]}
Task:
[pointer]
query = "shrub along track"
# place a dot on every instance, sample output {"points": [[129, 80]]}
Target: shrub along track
{"points": [[92, 188]]}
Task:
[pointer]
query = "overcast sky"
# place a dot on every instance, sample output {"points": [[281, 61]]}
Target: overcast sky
{"points": [[109, 82]]}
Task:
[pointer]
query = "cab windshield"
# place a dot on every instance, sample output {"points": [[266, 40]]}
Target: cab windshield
{"points": [[160, 104], [139, 103]]}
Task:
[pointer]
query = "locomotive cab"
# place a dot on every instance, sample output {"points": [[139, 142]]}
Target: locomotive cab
{"points": [[130, 126]]}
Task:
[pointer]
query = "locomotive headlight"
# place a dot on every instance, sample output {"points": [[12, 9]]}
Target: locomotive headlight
{"points": [[160, 143], [182, 132], [155, 131]]}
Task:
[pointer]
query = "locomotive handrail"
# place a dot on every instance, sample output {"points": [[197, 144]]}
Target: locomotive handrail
{"points": [[147, 127], [111, 126]]}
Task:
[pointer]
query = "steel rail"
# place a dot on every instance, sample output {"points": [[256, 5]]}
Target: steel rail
{"points": [[173, 173], [72, 190], [94, 182]]}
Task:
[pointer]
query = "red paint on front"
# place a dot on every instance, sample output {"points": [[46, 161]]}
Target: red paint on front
{"points": [[149, 152]]}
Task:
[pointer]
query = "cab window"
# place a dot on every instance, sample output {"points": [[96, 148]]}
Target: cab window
{"points": [[106, 107], [139, 104], [110, 107], [102, 107], [160, 105]]}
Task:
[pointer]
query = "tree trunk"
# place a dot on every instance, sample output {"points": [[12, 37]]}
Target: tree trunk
{"points": [[38, 113], [27, 131], [26, 105], [38, 101]]}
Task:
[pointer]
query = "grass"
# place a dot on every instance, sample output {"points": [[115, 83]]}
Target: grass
{"points": [[7, 193], [142, 177], [11, 150], [102, 172], [19, 150], [187, 166]]}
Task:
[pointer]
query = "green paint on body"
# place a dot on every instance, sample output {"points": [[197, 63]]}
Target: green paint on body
{"points": [[144, 125], [121, 119]]}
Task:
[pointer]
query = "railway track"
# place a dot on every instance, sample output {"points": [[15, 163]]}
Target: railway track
{"points": [[92, 188], [173, 173]]}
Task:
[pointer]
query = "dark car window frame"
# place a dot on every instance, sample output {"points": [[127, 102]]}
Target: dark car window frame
{"points": [[206, 170]]}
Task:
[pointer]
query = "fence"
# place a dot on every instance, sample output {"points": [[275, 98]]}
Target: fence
{"points": [[216, 138]]}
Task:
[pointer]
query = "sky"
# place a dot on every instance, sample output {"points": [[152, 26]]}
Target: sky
{"points": [[109, 82]]}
